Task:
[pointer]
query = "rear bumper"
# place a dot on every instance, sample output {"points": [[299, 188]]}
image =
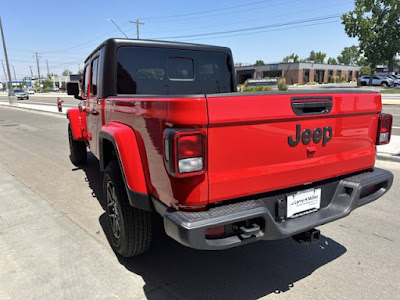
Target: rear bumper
{"points": [[189, 228]]}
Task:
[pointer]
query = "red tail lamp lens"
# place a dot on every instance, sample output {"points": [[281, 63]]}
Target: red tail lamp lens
{"points": [[384, 129], [190, 146]]}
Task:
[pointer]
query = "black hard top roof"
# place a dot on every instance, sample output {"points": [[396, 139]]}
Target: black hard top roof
{"points": [[118, 42]]}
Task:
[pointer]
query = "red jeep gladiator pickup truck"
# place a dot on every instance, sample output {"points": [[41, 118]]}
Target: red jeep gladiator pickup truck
{"points": [[222, 168]]}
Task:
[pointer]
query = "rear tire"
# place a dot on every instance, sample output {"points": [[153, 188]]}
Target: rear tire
{"points": [[129, 228], [77, 149], [384, 84]]}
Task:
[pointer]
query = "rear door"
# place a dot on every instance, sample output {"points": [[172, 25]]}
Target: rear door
{"points": [[93, 104], [265, 142]]}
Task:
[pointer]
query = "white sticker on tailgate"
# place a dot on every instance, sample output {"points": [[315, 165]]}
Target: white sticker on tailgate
{"points": [[305, 201]]}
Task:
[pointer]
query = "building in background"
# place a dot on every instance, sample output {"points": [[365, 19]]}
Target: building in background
{"points": [[299, 72]]}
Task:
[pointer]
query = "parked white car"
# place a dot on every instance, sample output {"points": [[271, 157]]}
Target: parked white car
{"points": [[377, 80]]}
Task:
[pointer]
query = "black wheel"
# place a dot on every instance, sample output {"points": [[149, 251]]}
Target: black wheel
{"points": [[363, 83], [27, 98], [77, 149], [129, 228], [384, 84]]}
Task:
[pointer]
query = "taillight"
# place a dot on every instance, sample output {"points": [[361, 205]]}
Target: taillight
{"points": [[384, 129], [184, 152]]}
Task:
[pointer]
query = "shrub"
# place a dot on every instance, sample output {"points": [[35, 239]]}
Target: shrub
{"points": [[257, 89], [282, 84]]}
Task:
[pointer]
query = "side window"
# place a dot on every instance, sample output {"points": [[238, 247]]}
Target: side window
{"points": [[93, 89], [85, 80]]}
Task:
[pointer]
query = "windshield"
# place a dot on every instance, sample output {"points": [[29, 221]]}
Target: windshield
{"points": [[18, 91], [171, 72]]}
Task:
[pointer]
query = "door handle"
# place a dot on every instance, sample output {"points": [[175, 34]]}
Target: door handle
{"points": [[94, 112]]}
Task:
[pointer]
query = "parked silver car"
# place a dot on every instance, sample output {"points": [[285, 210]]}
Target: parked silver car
{"points": [[21, 94], [376, 80]]}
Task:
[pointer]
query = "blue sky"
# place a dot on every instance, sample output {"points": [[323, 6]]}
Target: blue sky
{"points": [[65, 32]]}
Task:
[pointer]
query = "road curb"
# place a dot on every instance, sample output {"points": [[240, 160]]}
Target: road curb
{"points": [[33, 109], [388, 157]]}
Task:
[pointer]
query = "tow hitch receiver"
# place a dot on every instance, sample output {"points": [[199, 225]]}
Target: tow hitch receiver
{"points": [[249, 231], [307, 237]]}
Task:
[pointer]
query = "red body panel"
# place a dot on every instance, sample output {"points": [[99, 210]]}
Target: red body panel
{"points": [[128, 150], [150, 117], [248, 142], [77, 119]]}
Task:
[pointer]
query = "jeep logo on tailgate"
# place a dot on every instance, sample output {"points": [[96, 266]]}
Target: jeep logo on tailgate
{"points": [[307, 135]]}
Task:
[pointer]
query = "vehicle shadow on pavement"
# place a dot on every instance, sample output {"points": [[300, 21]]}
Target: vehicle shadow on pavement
{"points": [[94, 178], [173, 271]]}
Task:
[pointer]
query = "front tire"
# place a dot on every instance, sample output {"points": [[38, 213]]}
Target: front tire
{"points": [[77, 149], [384, 84], [129, 228]]}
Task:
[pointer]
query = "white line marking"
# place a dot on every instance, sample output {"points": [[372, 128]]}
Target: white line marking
{"points": [[395, 127]]}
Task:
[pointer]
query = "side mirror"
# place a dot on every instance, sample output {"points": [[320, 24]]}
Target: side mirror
{"points": [[73, 89]]}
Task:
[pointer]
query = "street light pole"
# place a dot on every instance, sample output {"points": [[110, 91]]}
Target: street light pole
{"points": [[109, 19], [11, 95]]}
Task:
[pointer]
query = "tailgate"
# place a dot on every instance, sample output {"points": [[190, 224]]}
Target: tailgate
{"points": [[265, 142]]}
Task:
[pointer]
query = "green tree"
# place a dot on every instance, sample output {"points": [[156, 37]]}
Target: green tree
{"points": [[375, 23], [365, 70], [332, 61], [50, 76], [292, 56], [317, 57], [66, 72], [259, 63], [349, 56], [320, 57]]}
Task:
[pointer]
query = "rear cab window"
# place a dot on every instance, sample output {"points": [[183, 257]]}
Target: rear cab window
{"points": [[158, 71]]}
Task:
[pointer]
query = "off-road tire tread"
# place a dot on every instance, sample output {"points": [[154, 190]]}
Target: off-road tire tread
{"points": [[78, 153], [137, 223]]}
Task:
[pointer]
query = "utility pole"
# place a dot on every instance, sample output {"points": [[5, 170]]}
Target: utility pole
{"points": [[48, 70], [4, 70], [79, 68], [11, 96], [38, 69], [137, 27], [15, 77], [30, 67]]}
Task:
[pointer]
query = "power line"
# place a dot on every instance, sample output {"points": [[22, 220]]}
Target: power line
{"points": [[253, 28], [204, 11], [262, 31]]}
